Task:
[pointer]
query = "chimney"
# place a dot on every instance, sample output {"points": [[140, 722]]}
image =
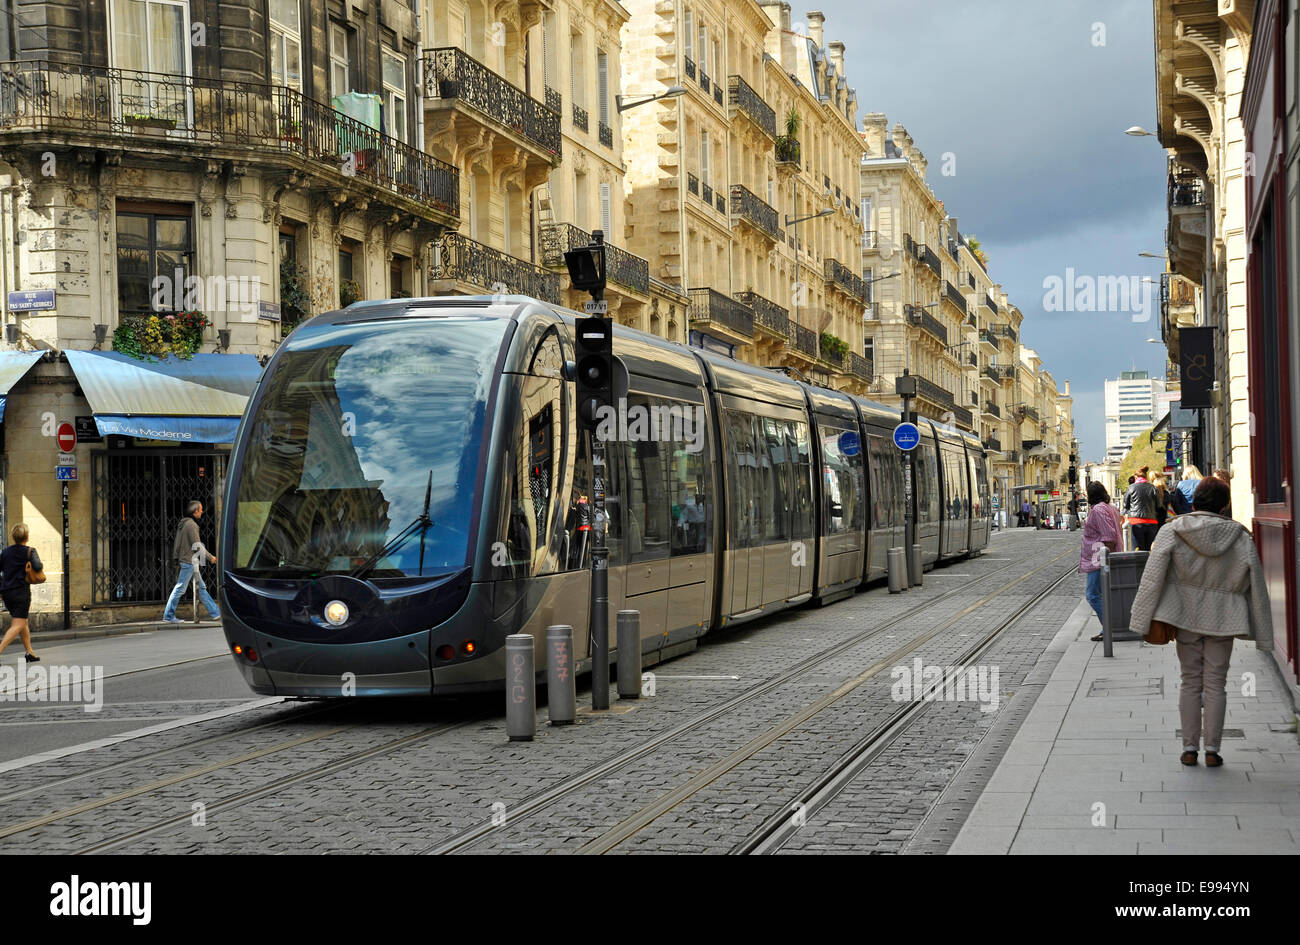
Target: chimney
{"points": [[778, 12], [837, 57], [815, 21], [873, 133]]}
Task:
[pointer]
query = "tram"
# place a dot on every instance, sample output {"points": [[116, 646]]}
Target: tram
{"points": [[409, 486]]}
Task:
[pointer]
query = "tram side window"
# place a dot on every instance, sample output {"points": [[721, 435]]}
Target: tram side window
{"points": [[580, 516], [778, 521], [979, 475], [842, 473], [531, 468], [797, 445], [689, 483], [740, 457], [764, 485], [876, 474], [647, 491], [927, 484]]}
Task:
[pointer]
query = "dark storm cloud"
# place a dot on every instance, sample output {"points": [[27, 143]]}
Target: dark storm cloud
{"points": [[1032, 111]]}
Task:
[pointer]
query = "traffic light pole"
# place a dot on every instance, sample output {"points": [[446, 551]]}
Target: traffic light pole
{"points": [[599, 603]]}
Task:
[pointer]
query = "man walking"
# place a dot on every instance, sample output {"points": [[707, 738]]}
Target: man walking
{"points": [[187, 540]]}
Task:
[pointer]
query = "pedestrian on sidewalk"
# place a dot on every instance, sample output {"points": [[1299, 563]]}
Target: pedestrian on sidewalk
{"points": [[1164, 501], [15, 589], [183, 548], [1140, 503], [1204, 579], [1100, 529], [1025, 510], [1182, 496]]}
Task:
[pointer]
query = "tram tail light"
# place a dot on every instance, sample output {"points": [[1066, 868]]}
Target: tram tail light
{"points": [[446, 652], [469, 647]]}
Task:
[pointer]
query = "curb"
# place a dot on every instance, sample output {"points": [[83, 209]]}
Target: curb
{"points": [[120, 629]]}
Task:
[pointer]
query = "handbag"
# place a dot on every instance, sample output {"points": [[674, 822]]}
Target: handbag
{"points": [[1161, 633], [32, 576]]}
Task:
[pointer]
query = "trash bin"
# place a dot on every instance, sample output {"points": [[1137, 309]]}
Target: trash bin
{"points": [[1121, 573]]}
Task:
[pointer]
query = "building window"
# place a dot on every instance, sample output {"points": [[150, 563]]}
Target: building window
{"points": [[286, 44], [340, 60], [398, 277], [152, 36], [395, 94], [155, 255], [577, 80], [606, 213]]}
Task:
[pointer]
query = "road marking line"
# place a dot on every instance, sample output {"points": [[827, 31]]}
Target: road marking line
{"points": [[661, 676], [137, 733]]}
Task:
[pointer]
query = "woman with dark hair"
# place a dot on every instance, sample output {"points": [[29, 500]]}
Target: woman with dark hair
{"points": [[1101, 528], [1140, 506], [1204, 580]]}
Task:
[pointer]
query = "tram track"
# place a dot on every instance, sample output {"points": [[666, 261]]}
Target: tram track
{"points": [[533, 805], [781, 825]]}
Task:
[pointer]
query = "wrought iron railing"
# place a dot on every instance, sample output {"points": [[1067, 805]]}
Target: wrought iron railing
{"points": [[843, 278], [465, 260], [963, 415], [1186, 190], [710, 305], [1031, 413], [919, 316], [954, 295], [970, 279], [621, 267], [931, 259], [861, 366], [451, 73], [706, 192], [993, 445], [767, 314], [987, 336], [970, 320], [717, 93], [721, 202], [952, 250], [805, 340], [993, 374], [145, 107], [579, 117], [554, 100], [747, 206], [692, 183], [971, 359], [927, 388], [870, 239], [606, 134], [743, 96], [689, 65], [990, 304], [787, 149], [1008, 332], [704, 80]]}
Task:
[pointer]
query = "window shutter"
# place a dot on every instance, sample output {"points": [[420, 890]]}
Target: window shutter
{"points": [[689, 34], [602, 81], [606, 220], [704, 157], [573, 70]]}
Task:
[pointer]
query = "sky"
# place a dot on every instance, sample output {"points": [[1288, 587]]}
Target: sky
{"points": [[1031, 99]]}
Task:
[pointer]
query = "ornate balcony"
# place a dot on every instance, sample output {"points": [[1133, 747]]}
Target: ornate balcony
{"points": [[767, 314], [993, 445], [750, 104], [991, 408], [932, 391], [1186, 190], [221, 120], [692, 183], [964, 417], [931, 259], [861, 366], [721, 201], [711, 308], [704, 80], [554, 100], [841, 277], [717, 93], [579, 116], [993, 374], [458, 258], [953, 294], [606, 134], [1031, 413], [805, 340], [787, 150], [689, 65], [621, 267], [746, 206], [920, 317], [988, 338], [971, 359], [1008, 332], [990, 304], [453, 76], [706, 193]]}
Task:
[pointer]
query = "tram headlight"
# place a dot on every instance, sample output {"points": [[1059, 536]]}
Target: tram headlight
{"points": [[336, 613]]}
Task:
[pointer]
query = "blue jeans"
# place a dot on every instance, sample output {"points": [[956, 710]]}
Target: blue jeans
{"points": [[182, 584], [1093, 593]]}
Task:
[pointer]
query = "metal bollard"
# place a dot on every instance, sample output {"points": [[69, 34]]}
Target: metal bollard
{"points": [[629, 654], [915, 570], [897, 570], [521, 688], [561, 687]]}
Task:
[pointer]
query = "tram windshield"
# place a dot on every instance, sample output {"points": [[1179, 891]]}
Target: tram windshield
{"points": [[362, 456]]}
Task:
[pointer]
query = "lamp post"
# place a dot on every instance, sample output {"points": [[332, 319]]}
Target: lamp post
{"points": [[795, 221], [645, 98]]}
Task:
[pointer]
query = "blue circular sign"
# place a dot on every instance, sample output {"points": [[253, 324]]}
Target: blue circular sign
{"points": [[907, 436], [850, 443]]}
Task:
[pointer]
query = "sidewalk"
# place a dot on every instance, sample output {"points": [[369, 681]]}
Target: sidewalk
{"points": [[1094, 768], [42, 637]]}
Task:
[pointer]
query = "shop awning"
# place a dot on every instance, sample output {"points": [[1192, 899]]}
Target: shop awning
{"points": [[13, 365], [192, 401]]}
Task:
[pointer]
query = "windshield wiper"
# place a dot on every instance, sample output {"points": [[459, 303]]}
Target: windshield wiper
{"points": [[421, 524]]}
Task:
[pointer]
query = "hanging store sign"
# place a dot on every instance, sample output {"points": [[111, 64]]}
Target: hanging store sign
{"points": [[1196, 366]]}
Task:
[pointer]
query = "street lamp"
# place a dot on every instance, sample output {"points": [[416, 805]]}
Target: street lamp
{"points": [[645, 98], [1138, 131], [1154, 255], [794, 222]]}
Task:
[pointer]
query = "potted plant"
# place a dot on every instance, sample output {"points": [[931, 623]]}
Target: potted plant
{"points": [[349, 292], [291, 130], [150, 121], [787, 145], [295, 300]]}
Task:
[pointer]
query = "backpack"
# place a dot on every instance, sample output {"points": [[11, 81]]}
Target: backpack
{"points": [[1179, 502]]}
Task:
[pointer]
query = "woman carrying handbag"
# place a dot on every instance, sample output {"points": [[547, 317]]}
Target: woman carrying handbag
{"points": [[20, 567], [1204, 586]]}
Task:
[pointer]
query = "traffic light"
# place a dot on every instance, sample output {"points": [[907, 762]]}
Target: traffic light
{"points": [[595, 349]]}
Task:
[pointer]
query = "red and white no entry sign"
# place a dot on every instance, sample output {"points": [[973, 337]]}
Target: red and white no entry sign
{"points": [[66, 436]]}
